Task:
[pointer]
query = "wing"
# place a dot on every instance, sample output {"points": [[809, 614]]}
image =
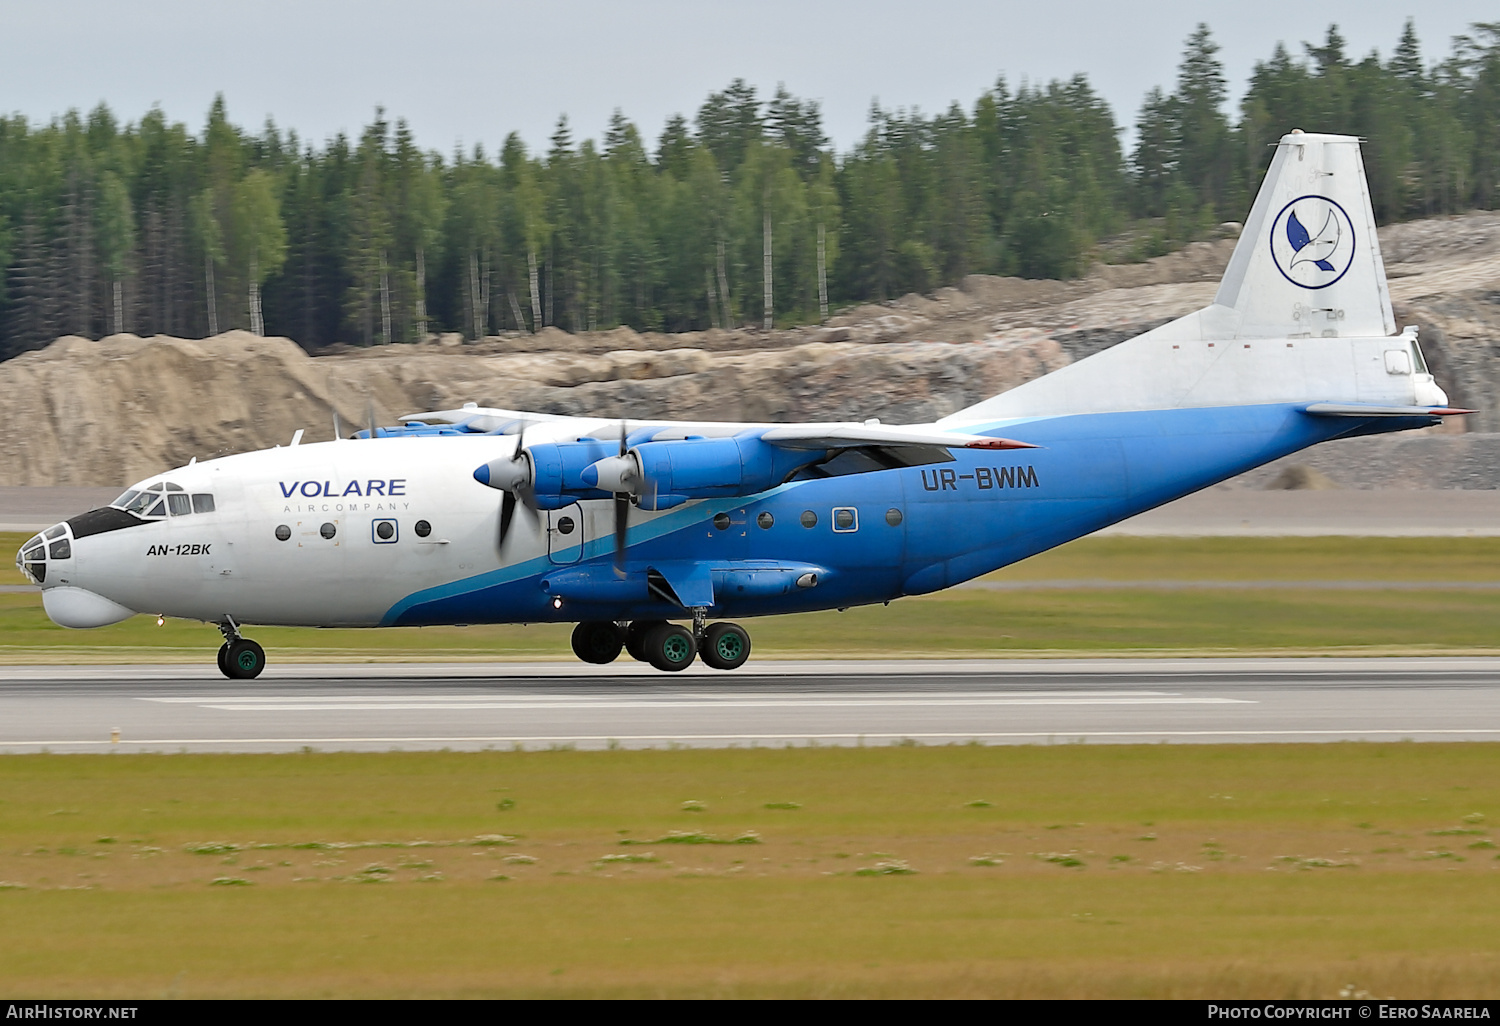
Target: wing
{"points": [[846, 436], [821, 436]]}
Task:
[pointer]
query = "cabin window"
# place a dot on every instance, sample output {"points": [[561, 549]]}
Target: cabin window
{"points": [[565, 525], [765, 520], [203, 503], [1416, 358], [328, 530], [845, 519], [721, 521], [893, 517], [283, 533], [385, 532], [423, 528], [809, 518]]}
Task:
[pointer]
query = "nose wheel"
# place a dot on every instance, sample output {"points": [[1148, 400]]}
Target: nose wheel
{"points": [[239, 658]]}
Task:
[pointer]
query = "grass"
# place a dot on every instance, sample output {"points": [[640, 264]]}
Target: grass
{"points": [[1139, 620], [1274, 871]]}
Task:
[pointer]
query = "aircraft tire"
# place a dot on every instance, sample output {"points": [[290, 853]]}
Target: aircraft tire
{"points": [[597, 641], [726, 646], [245, 659], [670, 647], [224, 659], [635, 638]]}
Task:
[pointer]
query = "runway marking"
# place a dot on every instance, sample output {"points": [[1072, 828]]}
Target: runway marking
{"points": [[865, 736], [519, 703], [566, 699]]}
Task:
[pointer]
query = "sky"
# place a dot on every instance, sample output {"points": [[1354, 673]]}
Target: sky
{"points": [[463, 72]]}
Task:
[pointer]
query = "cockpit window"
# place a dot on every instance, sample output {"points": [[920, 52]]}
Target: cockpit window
{"points": [[161, 498], [56, 531], [140, 502]]}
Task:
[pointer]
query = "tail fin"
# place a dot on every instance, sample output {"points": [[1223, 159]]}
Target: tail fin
{"points": [[1308, 262], [1307, 267]]}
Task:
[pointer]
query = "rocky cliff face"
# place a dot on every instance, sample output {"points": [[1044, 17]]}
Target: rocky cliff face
{"points": [[85, 413]]}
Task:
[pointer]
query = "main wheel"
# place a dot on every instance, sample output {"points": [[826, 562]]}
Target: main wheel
{"points": [[224, 659], [670, 647], [597, 641], [245, 659], [635, 638], [726, 646]]}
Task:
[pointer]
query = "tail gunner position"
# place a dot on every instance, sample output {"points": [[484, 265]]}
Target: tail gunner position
{"points": [[496, 516]]}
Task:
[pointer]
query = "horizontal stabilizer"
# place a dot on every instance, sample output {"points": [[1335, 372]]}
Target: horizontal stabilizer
{"points": [[1358, 410]]}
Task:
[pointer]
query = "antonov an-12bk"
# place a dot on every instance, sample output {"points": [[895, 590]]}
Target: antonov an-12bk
{"points": [[496, 516]]}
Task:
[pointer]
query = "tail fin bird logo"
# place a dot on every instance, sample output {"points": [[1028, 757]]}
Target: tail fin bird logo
{"points": [[1313, 249], [1312, 242]]}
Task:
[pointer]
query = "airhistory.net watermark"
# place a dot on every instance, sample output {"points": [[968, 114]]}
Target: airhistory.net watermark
{"points": [[46, 1010]]}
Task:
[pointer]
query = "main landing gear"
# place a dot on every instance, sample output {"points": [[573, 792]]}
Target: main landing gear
{"points": [[239, 658], [666, 646]]}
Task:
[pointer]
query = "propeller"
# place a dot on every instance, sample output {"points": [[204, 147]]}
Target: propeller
{"points": [[621, 476], [513, 478], [370, 414]]}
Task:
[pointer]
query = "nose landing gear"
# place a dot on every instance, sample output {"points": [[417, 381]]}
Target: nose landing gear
{"points": [[239, 658]]}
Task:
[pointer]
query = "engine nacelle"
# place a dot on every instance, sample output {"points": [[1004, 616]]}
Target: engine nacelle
{"points": [[668, 473], [551, 472], [659, 474]]}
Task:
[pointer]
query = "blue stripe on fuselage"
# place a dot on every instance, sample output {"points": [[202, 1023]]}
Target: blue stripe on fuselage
{"points": [[984, 510]]}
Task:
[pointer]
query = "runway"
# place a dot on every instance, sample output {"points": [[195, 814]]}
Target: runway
{"points": [[538, 706]]}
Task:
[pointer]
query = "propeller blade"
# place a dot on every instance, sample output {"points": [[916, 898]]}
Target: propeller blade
{"points": [[622, 521], [370, 415], [337, 433], [622, 513], [507, 513]]}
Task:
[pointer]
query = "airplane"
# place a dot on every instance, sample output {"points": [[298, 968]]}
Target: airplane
{"points": [[654, 537]]}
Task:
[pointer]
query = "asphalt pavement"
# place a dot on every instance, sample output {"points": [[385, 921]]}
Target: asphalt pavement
{"points": [[468, 706]]}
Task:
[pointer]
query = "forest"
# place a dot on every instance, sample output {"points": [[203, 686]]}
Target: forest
{"points": [[744, 216]]}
